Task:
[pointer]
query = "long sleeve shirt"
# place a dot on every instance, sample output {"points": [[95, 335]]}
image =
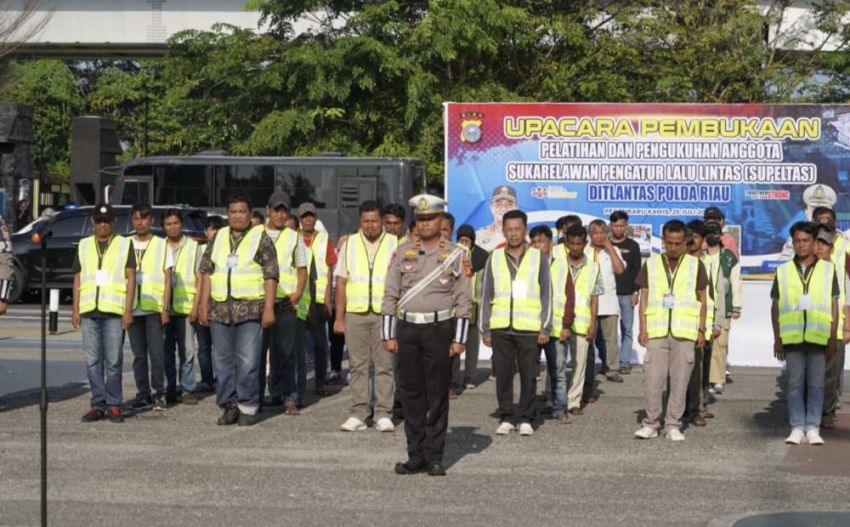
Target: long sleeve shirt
{"points": [[543, 278]]}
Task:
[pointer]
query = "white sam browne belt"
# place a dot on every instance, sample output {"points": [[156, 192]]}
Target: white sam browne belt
{"points": [[430, 317]]}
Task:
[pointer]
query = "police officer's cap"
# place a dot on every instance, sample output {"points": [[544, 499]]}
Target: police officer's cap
{"points": [[103, 212], [426, 205], [504, 192], [820, 196]]}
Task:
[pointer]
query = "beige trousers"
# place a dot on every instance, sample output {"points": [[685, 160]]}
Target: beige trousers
{"points": [[673, 359], [365, 348], [719, 353]]}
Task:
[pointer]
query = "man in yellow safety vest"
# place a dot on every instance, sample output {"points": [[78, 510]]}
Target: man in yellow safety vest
{"points": [[361, 271], [239, 273], [104, 289], [672, 321]]}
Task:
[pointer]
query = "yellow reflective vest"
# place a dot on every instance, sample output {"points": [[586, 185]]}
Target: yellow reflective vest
{"points": [[150, 277], [108, 296], [183, 278], [244, 281], [800, 319], [516, 303], [584, 282], [364, 289], [672, 309], [285, 245], [559, 270]]}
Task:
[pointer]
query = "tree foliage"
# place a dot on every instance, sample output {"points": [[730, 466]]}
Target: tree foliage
{"points": [[370, 77]]}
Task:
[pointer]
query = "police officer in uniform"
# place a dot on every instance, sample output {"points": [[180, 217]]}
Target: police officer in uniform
{"points": [[427, 300]]}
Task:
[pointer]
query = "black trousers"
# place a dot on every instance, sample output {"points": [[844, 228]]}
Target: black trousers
{"points": [[424, 373], [522, 351]]}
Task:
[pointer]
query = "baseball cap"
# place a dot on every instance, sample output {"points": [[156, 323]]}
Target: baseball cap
{"points": [[279, 199], [307, 208], [103, 212]]}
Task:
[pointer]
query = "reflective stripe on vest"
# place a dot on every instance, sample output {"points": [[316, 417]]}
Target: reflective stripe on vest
{"points": [[798, 325], [285, 245], [712, 267], [319, 250], [183, 277], [516, 303], [150, 294], [364, 289], [245, 281], [109, 297], [583, 284], [682, 321], [559, 270]]}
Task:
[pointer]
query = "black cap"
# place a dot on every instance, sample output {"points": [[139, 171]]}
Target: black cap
{"points": [[713, 213], [103, 212], [466, 231]]}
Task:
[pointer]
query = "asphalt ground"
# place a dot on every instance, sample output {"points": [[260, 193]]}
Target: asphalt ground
{"points": [[179, 468]]}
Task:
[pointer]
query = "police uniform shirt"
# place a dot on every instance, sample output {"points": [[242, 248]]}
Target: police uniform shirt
{"points": [[411, 263]]}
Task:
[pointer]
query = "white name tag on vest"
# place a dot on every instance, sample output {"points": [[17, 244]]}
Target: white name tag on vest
{"points": [[232, 260], [519, 288], [100, 278], [805, 302], [669, 301]]}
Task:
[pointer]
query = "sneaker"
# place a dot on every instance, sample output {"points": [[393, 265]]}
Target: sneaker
{"points": [[384, 424], [159, 404], [142, 402], [796, 436], [353, 424], [525, 429], [230, 415], [646, 432], [674, 434], [718, 389], [189, 398], [813, 437], [114, 415], [505, 428], [92, 415]]}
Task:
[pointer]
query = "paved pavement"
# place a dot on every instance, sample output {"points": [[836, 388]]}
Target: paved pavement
{"points": [[179, 468]]}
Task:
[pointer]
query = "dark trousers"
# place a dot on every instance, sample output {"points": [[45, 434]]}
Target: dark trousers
{"points": [[337, 344], [205, 355], [521, 351], [280, 342], [424, 373], [147, 341], [699, 380]]}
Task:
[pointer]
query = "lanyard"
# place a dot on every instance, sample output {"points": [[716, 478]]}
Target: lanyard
{"points": [[808, 276], [100, 254], [671, 279]]}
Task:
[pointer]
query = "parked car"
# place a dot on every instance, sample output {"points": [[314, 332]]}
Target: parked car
{"points": [[67, 228]]}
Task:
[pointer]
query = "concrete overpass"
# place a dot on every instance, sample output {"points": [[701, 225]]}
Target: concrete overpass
{"points": [[123, 28]]}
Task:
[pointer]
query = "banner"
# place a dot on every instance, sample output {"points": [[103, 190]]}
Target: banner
{"points": [[765, 166]]}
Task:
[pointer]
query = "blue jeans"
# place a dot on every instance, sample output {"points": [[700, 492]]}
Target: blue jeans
{"points": [[556, 364], [236, 361], [103, 344], [205, 355], [147, 341], [179, 333], [805, 369], [627, 320]]}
